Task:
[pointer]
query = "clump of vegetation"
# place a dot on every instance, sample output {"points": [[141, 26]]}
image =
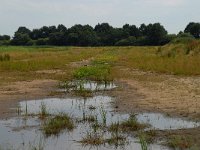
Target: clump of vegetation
{"points": [[179, 142], [116, 140], [128, 125], [149, 135], [95, 73], [92, 139], [132, 124], [58, 123], [173, 50], [4, 57]]}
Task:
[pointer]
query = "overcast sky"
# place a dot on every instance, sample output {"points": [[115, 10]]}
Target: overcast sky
{"points": [[173, 14]]}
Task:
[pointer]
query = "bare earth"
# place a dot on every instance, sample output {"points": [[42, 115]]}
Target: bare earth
{"points": [[11, 94], [169, 94]]}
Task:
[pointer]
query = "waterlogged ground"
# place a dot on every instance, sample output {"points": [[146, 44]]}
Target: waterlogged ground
{"points": [[25, 131]]}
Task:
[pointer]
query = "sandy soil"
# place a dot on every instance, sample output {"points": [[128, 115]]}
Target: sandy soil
{"points": [[160, 93], [11, 94]]}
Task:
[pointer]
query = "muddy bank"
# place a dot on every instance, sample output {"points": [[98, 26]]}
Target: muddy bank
{"points": [[11, 94]]}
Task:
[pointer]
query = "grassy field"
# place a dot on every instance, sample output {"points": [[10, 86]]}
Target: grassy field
{"points": [[22, 63], [97, 63]]}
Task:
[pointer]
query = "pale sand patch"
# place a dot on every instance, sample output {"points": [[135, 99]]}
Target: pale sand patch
{"points": [[162, 93], [56, 71]]}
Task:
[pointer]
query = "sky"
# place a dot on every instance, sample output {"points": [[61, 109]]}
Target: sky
{"points": [[174, 15]]}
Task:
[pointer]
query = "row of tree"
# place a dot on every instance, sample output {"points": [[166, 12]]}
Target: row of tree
{"points": [[101, 35]]}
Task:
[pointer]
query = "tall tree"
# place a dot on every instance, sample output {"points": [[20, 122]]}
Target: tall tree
{"points": [[194, 29]]}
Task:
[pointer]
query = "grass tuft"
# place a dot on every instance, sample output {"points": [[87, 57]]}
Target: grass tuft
{"points": [[55, 125]]}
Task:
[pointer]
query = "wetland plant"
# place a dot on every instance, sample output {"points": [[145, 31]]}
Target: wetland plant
{"points": [[58, 123], [43, 111], [179, 142], [88, 118], [26, 109], [132, 124], [103, 115], [96, 73], [143, 143], [19, 110], [128, 125], [93, 139], [116, 139]]}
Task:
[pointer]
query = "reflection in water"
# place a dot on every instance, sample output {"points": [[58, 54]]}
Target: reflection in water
{"points": [[86, 85], [24, 132]]}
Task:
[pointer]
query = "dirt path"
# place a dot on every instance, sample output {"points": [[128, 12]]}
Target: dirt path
{"points": [[161, 93], [11, 94]]}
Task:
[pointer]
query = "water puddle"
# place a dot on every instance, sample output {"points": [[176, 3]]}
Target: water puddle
{"points": [[24, 132], [162, 122]]}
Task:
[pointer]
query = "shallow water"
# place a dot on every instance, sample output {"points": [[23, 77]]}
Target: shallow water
{"points": [[24, 132], [88, 85]]}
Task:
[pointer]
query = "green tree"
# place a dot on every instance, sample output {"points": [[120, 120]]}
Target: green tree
{"points": [[20, 39], [194, 29]]}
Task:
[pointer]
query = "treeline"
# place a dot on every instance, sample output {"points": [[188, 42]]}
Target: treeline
{"points": [[101, 35]]}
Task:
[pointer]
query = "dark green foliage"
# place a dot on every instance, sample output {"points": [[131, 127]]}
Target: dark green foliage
{"points": [[20, 39], [42, 41], [194, 29], [101, 35], [79, 35], [127, 42], [4, 37]]}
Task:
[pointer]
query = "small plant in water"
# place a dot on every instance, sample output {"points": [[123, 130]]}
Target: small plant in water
{"points": [[89, 118], [179, 142], [92, 139], [132, 124], [143, 142], [26, 109], [58, 123], [19, 110], [43, 112], [116, 139], [103, 115]]}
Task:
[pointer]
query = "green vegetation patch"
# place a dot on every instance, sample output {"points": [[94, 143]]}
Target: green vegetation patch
{"points": [[55, 125], [95, 73], [128, 125], [179, 142]]}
